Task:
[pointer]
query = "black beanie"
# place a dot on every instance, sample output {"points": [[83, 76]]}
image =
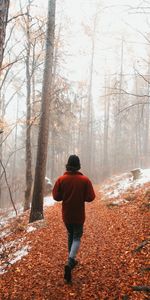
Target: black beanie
{"points": [[73, 163]]}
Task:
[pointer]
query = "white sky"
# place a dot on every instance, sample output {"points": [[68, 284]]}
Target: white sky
{"points": [[115, 21], [113, 25]]}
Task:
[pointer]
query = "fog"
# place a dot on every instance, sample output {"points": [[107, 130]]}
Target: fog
{"points": [[100, 99]]}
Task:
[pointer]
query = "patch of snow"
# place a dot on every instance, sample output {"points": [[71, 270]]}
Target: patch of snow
{"points": [[5, 233], [12, 244], [16, 256], [30, 228], [119, 202], [6, 215], [48, 181], [49, 201], [5, 219], [145, 177], [11, 252], [9, 214], [19, 254], [3, 269], [146, 172], [120, 184]]}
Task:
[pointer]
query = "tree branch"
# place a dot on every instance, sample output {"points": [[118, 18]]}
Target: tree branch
{"points": [[141, 33], [10, 64], [144, 243], [7, 135], [15, 17], [124, 93], [142, 76], [132, 105], [141, 288], [10, 194]]}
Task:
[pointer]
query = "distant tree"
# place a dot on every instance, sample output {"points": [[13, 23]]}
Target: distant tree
{"points": [[38, 191], [28, 115], [106, 133], [4, 7], [90, 31]]}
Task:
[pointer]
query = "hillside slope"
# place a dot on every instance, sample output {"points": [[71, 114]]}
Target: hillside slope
{"points": [[113, 258]]}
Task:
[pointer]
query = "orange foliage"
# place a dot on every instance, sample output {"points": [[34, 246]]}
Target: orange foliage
{"points": [[108, 265]]}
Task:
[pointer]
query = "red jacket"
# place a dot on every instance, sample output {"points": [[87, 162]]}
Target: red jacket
{"points": [[74, 189]]}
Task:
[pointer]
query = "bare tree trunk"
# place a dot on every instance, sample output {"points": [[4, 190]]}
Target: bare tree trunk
{"points": [[117, 139], [146, 137], [147, 126], [38, 192], [106, 128], [53, 84], [79, 128], [4, 7], [89, 108], [14, 173], [1, 149], [8, 186], [2, 115], [28, 119], [137, 131], [52, 155]]}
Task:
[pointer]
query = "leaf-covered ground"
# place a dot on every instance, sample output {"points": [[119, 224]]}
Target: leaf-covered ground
{"points": [[113, 256]]}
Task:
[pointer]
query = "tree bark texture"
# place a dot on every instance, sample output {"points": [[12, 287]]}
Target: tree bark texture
{"points": [[106, 131], [4, 7], [28, 120], [118, 132], [38, 191], [90, 104]]}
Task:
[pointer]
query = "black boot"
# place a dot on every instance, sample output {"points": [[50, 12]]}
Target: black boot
{"points": [[67, 274]]}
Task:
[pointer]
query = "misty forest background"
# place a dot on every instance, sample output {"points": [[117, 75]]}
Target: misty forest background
{"points": [[99, 99]]}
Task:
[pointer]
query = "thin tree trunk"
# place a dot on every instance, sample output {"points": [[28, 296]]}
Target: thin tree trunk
{"points": [[28, 120], [1, 150], [79, 128], [8, 186], [117, 139], [147, 126], [89, 107], [4, 7], [106, 127], [38, 192], [55, 64], [14, 173], [137, 128], [52, 155], [2, 115]]}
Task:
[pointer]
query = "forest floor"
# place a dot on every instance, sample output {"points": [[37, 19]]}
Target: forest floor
{"points": [[113, 257]]}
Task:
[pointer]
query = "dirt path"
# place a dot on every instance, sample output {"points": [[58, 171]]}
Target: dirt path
{"points": [[107, 269]]}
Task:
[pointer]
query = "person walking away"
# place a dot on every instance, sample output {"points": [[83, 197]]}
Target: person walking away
{"points": [[73, 189]]}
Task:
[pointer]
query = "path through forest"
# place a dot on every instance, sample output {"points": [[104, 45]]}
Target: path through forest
{"points": [[108, 266]]}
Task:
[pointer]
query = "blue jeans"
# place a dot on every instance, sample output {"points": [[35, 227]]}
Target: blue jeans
{"points": [[75, 232]]}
